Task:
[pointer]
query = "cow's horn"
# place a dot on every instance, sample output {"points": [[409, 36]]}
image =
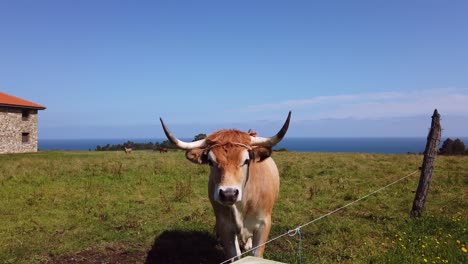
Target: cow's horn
{"points": [[271, 141], [179, 143]]}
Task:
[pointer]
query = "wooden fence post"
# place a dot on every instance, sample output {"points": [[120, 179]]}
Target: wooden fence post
{"points": [[430, 153]]}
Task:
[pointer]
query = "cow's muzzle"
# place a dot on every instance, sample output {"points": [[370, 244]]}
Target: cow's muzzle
{"points": [[228, 196]]}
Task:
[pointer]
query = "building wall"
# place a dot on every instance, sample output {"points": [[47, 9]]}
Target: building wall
{"points": [[12, 128]]}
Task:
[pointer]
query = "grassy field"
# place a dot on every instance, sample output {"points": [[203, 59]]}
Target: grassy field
{"points": [[107, 207]]}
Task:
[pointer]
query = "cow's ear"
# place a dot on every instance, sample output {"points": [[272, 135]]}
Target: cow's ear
{"points": [[198, 156], [258, 154]]}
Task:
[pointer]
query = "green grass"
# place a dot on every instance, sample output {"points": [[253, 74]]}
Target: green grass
{"points": [[60, 203]]}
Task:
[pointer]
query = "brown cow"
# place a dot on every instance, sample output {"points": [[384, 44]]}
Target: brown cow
{"points": [[163, 150], [128, 150], [243, 184]]}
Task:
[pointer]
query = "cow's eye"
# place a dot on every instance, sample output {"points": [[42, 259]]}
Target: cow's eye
{"points": [[246, 162], [211, 163]]}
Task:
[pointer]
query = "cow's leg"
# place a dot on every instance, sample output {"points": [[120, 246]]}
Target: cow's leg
{"points": [[248, 244], [228, 238], [260, 236], [236, 242]]}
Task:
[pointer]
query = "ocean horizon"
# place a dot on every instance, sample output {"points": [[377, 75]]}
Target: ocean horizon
{"points": [[384, 145]]}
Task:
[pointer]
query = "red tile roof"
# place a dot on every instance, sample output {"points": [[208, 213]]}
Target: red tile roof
{"points": [[11, 101]]}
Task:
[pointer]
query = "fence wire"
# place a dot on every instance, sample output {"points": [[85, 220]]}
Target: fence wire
{"points": [[297, 230]]}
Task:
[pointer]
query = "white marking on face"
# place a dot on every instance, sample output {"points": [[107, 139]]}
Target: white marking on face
{"points": [[212, 159]]}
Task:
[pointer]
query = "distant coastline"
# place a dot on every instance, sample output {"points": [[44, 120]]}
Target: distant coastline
{"points": [[360, 145]]}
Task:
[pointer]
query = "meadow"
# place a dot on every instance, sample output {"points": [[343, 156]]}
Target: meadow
{"points": [[108, 207]]}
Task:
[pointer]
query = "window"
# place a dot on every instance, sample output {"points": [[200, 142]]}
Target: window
{"points": [[25, 115], [25, 137]]}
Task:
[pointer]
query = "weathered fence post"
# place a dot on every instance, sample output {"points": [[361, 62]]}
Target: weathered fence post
{"points": [[430, 153]]}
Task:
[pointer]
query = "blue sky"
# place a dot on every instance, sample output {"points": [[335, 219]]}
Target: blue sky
{"points": [[110, 69]]}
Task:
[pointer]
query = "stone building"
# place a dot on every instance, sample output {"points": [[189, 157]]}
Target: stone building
{"points": [[18, 124]]}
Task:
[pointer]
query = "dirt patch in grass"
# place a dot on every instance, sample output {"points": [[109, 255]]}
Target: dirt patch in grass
{"points": [[110, 253], [169, 247]]}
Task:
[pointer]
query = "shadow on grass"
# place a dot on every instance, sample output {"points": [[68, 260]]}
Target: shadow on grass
{"points": [[185, 247]]}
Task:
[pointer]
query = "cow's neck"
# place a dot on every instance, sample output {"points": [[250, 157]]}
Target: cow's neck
{"points": [[237, 216]]}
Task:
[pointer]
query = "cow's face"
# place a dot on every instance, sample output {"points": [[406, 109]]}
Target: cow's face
{"points": [[229, 165], [229, 171]]}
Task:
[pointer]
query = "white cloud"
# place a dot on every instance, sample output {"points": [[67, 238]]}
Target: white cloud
{"points": [[453, 101]]}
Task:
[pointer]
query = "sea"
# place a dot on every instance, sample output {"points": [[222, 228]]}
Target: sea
{"points": [[356, 145]]}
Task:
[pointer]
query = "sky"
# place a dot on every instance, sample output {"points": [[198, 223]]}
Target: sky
{"points": [[110, 69]]}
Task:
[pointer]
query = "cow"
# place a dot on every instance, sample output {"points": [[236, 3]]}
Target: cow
{"points": [[243, 184], [163, 150], [128, 150]]}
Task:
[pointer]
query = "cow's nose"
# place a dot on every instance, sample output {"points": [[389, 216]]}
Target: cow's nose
{"points": [[229, 195]]}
